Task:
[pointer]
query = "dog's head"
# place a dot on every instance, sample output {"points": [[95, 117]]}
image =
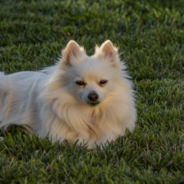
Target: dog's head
{"points": [[90, 79]]}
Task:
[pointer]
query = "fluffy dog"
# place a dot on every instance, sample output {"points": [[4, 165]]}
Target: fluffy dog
{"points": [[89, 99]]}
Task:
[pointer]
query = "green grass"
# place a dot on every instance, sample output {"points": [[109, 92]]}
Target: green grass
{"points": [[150, 34]]}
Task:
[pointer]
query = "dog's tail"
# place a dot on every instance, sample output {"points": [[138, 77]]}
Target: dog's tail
{"points": [[6, 96]]}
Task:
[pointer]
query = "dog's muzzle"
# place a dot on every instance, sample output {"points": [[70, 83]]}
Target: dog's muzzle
{"points": [[93, 98]]}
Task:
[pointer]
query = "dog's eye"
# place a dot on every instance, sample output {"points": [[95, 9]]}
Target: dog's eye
{"points": [[102, 82], [80, 83]]}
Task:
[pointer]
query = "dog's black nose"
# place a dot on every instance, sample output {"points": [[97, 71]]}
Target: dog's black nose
{"points": [[93, 96]]}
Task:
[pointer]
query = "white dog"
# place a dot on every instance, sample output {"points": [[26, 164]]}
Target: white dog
{"points": [[83, 98]]}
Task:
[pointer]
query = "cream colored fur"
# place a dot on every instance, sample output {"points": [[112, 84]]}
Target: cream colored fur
{"points": [[50, 102]]}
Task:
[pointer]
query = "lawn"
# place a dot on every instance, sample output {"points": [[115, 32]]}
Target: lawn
{"points": [[150, 38]]}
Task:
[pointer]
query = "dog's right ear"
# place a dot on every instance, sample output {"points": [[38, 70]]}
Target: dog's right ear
{"points": [[72, 54]]}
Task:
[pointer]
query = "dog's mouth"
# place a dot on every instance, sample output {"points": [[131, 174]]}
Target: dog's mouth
{"points": [[93, 104]]}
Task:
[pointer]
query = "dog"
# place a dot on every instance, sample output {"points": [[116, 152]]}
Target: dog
{"points": [[83, 99]]}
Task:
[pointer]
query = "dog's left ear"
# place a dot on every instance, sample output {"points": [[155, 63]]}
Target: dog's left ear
{"points": [[108, 53]]}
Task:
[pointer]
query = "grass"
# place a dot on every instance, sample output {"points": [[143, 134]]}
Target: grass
{"points": [[150, 34]]}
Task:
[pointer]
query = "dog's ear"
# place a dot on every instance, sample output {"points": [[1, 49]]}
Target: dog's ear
{"points": [[108, 53], [108, 49], [72, 54]]}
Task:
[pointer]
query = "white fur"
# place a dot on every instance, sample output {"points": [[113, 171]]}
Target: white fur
{"points": [[50, 103]]}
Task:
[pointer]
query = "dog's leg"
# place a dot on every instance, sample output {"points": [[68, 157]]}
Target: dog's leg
{"points": [[6, 96]]}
